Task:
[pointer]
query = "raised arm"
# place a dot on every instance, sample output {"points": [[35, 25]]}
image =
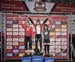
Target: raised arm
{"points": [[45, 20], [23, 25], [31, 20]]}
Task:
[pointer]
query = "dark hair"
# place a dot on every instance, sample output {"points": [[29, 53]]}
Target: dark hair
{"points": [[38, 20], [45, 25]]}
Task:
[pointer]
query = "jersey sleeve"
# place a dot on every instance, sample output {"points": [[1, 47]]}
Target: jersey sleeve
{"points": [[23, 25]]}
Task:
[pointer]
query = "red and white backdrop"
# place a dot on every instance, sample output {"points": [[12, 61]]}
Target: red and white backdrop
{"points": [[14, 35]]}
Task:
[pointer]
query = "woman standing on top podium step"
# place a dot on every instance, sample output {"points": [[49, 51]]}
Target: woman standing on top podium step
{"points": [[38, 32]]}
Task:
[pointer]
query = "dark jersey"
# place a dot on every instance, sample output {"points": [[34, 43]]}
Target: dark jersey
{"points": [[46, 34]]}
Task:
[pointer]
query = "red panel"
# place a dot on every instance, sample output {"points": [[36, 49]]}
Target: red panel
{"points": [[64, 8], [13, 5], [21, 43], [15, 47], [9, 51]]}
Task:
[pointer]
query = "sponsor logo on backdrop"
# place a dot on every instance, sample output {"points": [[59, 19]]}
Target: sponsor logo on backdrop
{"points": [[43, 7], [40, 6]]}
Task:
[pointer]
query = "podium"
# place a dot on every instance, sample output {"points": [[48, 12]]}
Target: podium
{"points": [[26, 59], [49, 59], [37, 58]]}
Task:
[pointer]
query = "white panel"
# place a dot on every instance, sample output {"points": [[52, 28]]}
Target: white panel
{"points": [[21, 39], [64, 43], [9, 47], [9, 29], [64, 33], [9, 43], [20, 26], [52, 47], [52, 43], [58, 22], [15, 29], [9, 54], [9, 39], [9, 33], [52, 50], [58, 50], [58, 33], [15, 33], [53, 26], [64, 29], [15, 25], [64, 39], [52, 39], [21, 29], [64, 47], [58, 43], [15, 39], [21, 33], [58, 47], [15, 43], [58, 39]]}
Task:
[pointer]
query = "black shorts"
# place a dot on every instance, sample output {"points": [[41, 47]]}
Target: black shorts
{"points": [[27, 39], [46, 41], [38, 37]]}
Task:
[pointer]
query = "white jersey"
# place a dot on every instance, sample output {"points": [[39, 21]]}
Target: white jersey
{"points": [[38, 29]]}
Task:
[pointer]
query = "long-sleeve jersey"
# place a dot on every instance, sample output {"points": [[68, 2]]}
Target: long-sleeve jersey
{"points": [[27, 30]]}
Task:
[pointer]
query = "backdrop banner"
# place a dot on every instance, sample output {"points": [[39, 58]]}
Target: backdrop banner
{"points": [[25, 33]]}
